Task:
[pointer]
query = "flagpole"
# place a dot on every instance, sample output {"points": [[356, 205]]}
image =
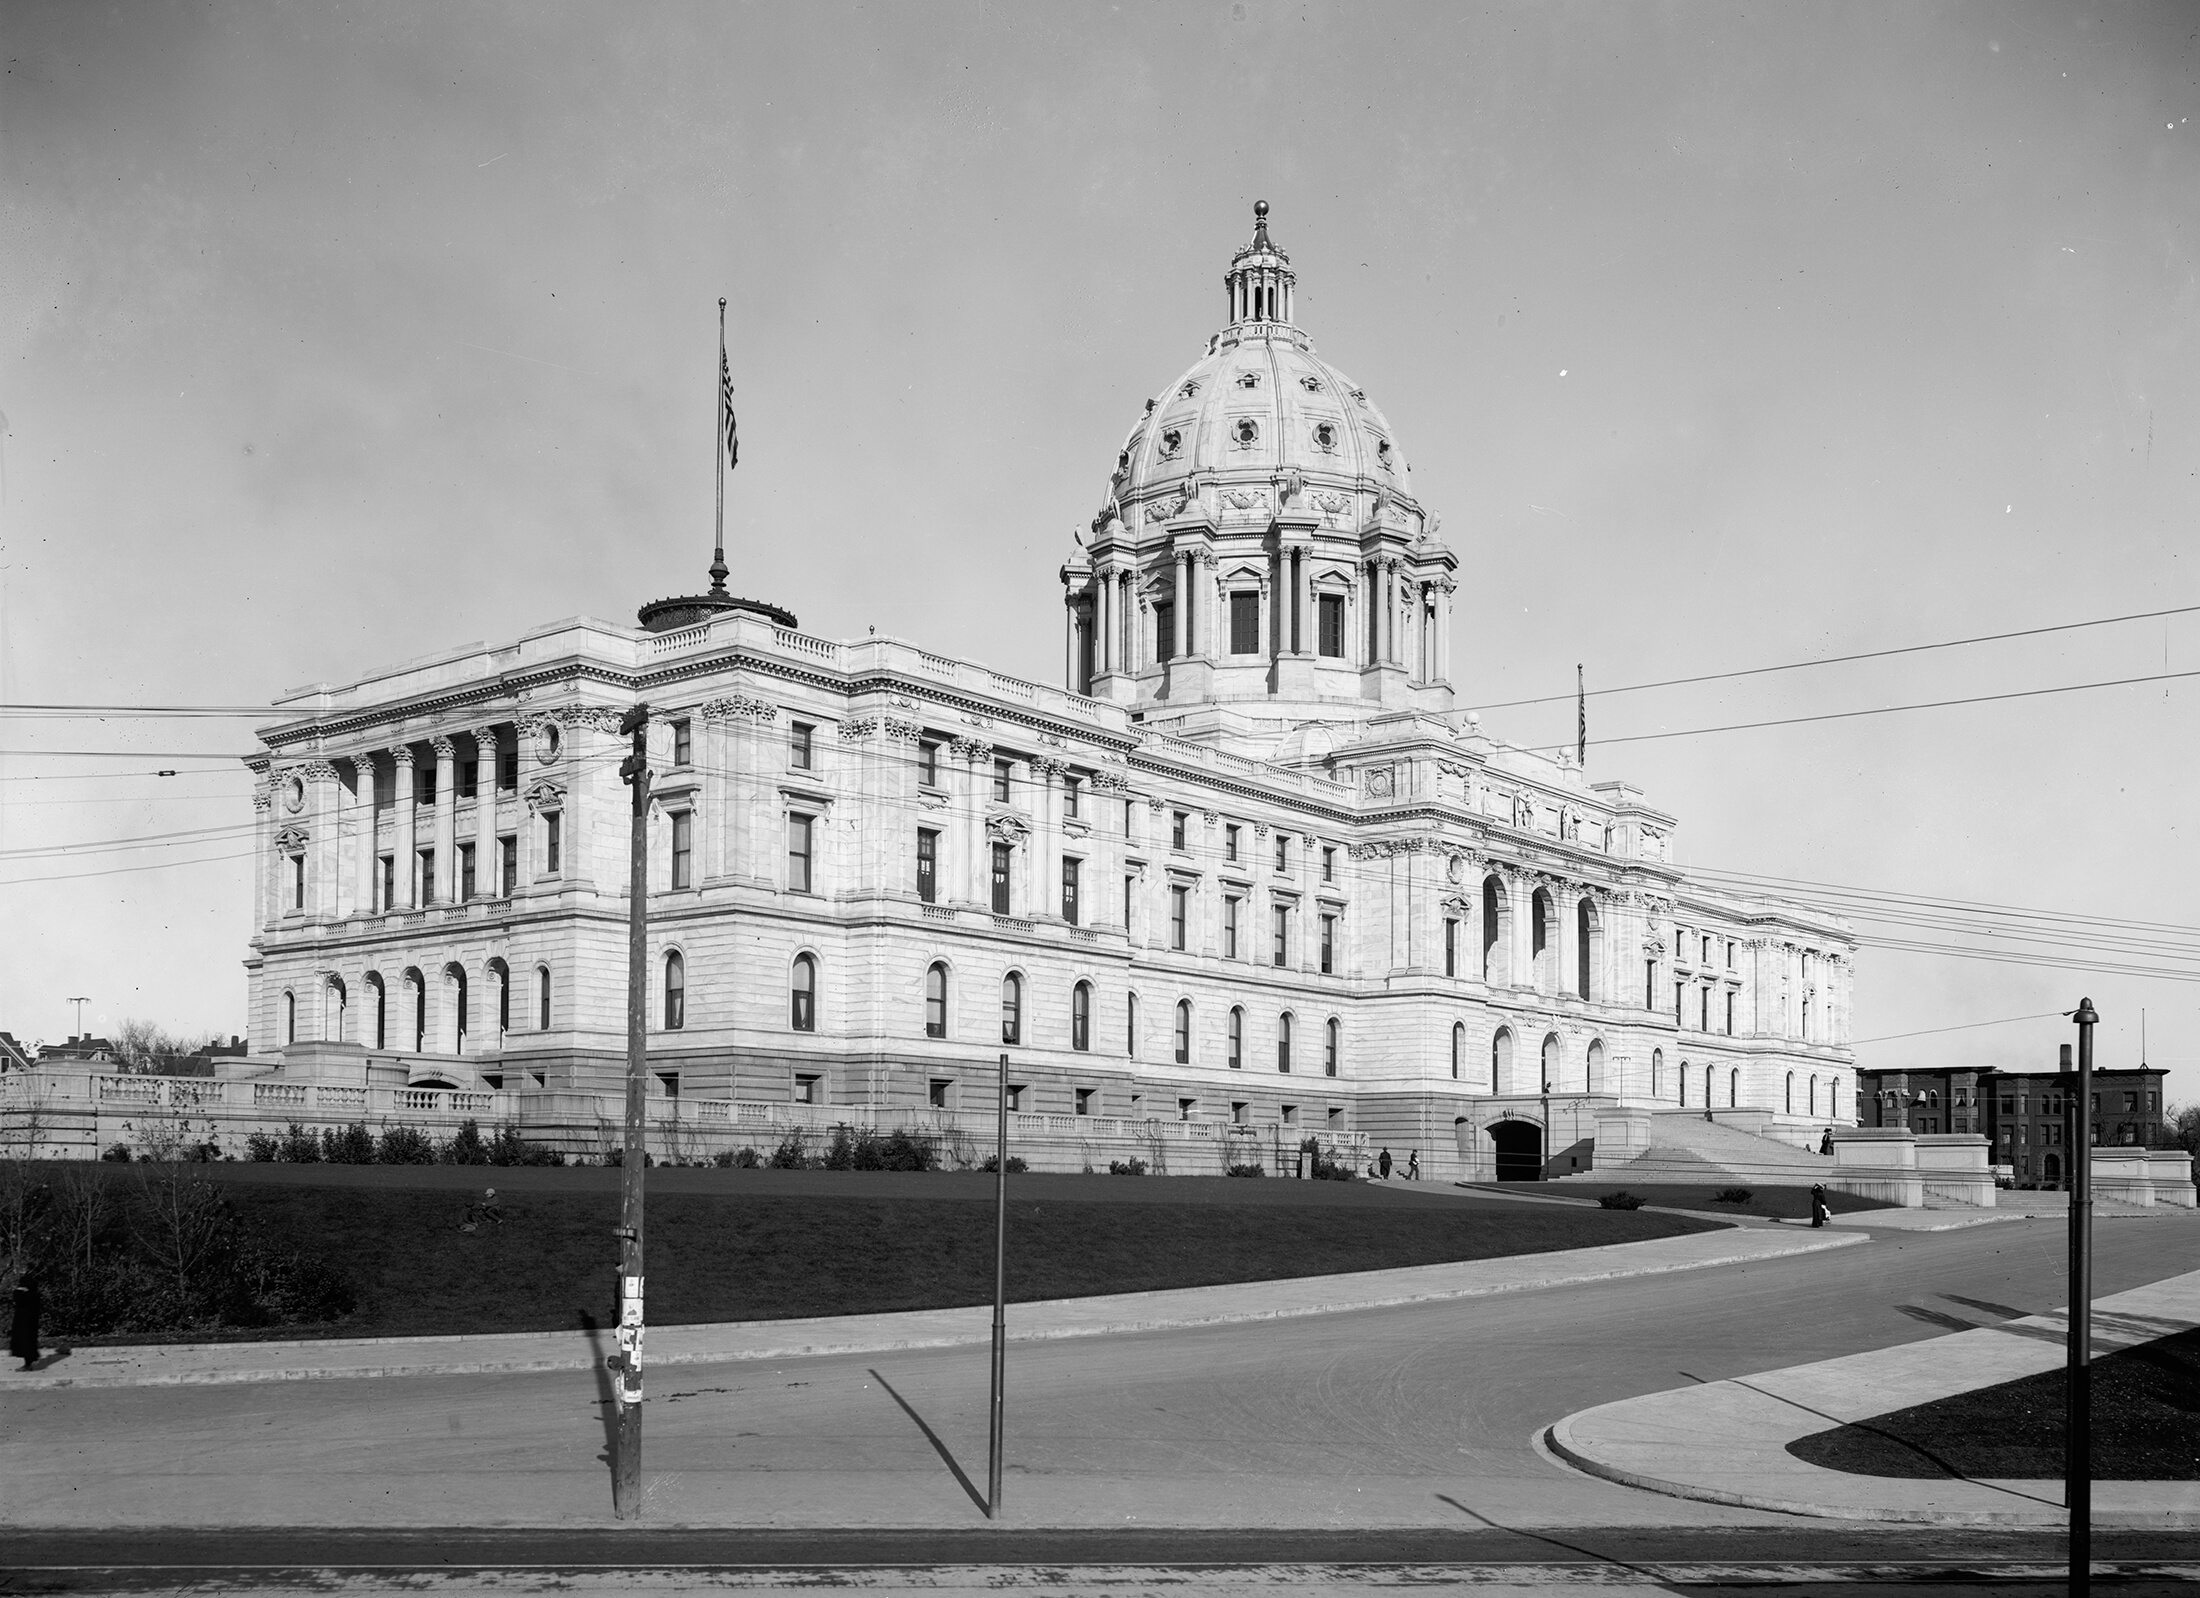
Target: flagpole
{"points": [[1581, 720], [718, 550]]}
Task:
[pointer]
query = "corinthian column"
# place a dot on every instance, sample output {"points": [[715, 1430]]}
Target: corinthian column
{"points": [[362, 810], [446, 819], [485, 814], [403, 794]]}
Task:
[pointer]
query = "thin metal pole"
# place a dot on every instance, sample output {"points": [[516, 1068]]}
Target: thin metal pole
{"points": [[1000, 1294], [2077, 1389], [626, 1479]]}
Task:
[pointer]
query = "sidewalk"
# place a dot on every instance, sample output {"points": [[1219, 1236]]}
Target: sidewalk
{"points": [[1104, 1315], [1727, 1442]]}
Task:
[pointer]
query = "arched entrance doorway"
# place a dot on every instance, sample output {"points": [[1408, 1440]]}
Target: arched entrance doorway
{"points": [[2051, 1170], [1519, 1151]]}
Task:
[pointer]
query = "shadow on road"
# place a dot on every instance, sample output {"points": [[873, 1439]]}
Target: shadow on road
{"points": [[933, 1438], [1554, 1542], [606, 1404]]}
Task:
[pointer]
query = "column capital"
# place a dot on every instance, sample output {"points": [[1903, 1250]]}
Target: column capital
{"points": [[443, 747], [402, 754]]}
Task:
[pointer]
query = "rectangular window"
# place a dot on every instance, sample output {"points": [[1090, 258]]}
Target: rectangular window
{"points": [[467, 772], [1177, 819], [1072, 793], [1329, 625], [1070, 872], [389, 882], [1180, 899], [1329, 945], [1451, 947], [427, 878], [1002, 788], [683, 849], [508, 768], [1130, 899], [805, 1089], [1730, 1014], [1329, 864], [553, 840], [937, 1095], [1238, 1112], [1283, 856], [799, 835], [424, 783], [801, 746], [507, 864], [1002, 855], [1164, 630], [1184, 1108], [1282, 950], [1084, 1101], [1230, 927], [1649, 984], [1016, 1092], [2131, 1103], [683, 742], [928, 860], [1680, 993], [466, 878], [297, 882], [1245, 624], [1230, 841], [928, 763], [1703, 1009]]}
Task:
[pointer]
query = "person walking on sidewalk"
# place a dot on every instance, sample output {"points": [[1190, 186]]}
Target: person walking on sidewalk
{"points": [[1825, 1144], [1382, 1163], [23, 1331], [1413, 1166], [1819, 1213]]}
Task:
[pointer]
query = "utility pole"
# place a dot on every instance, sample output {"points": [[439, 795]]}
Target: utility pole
{"points": [[79, 1003], [1000, 1293], [2078, 1379], [626, 1481]]}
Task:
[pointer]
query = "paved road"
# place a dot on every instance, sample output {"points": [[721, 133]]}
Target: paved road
{"points": [[1412, 1417]]}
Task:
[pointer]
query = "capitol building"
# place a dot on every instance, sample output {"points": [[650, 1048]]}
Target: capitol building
{"points": [[1250, 873]]}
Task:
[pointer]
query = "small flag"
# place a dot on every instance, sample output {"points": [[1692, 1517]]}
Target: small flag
{"points": [[727, 429]]}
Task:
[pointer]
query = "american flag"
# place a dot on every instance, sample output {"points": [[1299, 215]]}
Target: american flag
{"points": [[726, 426]]}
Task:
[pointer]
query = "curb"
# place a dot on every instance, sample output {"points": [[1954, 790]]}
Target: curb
{"points": [[885, 1343], [1558, 1438]]}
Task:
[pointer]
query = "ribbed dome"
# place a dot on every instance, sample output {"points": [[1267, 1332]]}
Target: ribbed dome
{"points": [[1258, 407]]}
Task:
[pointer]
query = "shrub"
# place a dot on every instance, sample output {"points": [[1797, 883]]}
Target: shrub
{"points": [[840, 1155], [1016, 1165], [1620, 1201], [119, 1153], [1134, 1166], [745, 1159], [507, 1147], [1732, 1195], [465, 1146], [1254, 1169], [261, 1146], [901, 1152], [299, 1146], [405, 1145], [615, 1159], [791, 1155], [351, 1145], [1332, 1171]]}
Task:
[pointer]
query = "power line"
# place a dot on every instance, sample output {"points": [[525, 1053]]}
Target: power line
{"points": [[123, 754], [1967, 1026], [1840, 660]]}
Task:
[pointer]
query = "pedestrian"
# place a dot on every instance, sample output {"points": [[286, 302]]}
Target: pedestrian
{"points": [[1413, 1166], [1819, 1213], [1382, 1160], [23, 1331], [1825, 1144]]}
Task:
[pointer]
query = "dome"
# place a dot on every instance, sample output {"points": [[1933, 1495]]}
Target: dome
{"points": [[1259, 407]]}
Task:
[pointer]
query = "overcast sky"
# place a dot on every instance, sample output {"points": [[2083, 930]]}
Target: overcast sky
{"points": [[1719, 337]]}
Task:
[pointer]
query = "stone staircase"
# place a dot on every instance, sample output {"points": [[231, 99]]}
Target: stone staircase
{"points": [[1683, 1147]]}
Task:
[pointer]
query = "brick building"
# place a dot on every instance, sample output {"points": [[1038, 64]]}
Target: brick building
{"points": [[2025, 1115]]}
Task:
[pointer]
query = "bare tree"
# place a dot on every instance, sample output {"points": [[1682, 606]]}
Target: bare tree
{"points": [[148, 1047]]}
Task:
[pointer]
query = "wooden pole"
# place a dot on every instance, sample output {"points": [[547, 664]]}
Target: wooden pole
{"points": [[626, 1480], [2077, 1387], [1000, 1292]]}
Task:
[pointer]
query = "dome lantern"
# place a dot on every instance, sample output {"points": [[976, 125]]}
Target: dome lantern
{"points": [[1260, 281]]}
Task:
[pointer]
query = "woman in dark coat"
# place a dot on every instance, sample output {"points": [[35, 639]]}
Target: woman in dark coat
{"points": [[23, 1331]]}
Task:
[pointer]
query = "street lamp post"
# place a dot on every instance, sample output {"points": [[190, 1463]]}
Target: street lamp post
{"points": [[2077, 1387], [626, 1479]]}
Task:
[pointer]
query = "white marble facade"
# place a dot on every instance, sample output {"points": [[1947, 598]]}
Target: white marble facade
{"points": [[443, 846]]}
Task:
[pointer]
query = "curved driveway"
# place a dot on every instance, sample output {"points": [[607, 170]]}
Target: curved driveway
{"points": [[1420, 1415]]}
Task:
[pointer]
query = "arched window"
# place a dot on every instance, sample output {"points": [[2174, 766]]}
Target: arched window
{"points": [[1707, 1087], [1684, 1084], [336, 1000], [501, 975], [1542, 957], [1501, 1061], [1596, 1065], [1332, 1045], [1657, 1072], [1496, 917], [1788, 1102], [802, 994], [418, 986], [1833, 1097], [1183, 1032], [1283, 1042], [1130, 1027], [1733, 1087], [1012, 1008], [1806, 1018], [379, 1000], [935, 1001], [1236, 1052], [290, 1016], [1586, 949], [1812, 1103], [675, 991], [1458, 1046], [454, 984], [1550, 1063], [1080, 1017], [542, 998]]}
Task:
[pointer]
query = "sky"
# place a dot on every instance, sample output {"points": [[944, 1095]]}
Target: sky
{"points": [[1720, 337]]}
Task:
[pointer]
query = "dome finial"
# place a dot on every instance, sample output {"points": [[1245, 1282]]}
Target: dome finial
{"points": [[1260, 224], [1260, 279]]}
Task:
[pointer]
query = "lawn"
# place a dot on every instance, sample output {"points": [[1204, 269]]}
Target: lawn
{"points": [[2146, 1425], [763, 1245]]}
